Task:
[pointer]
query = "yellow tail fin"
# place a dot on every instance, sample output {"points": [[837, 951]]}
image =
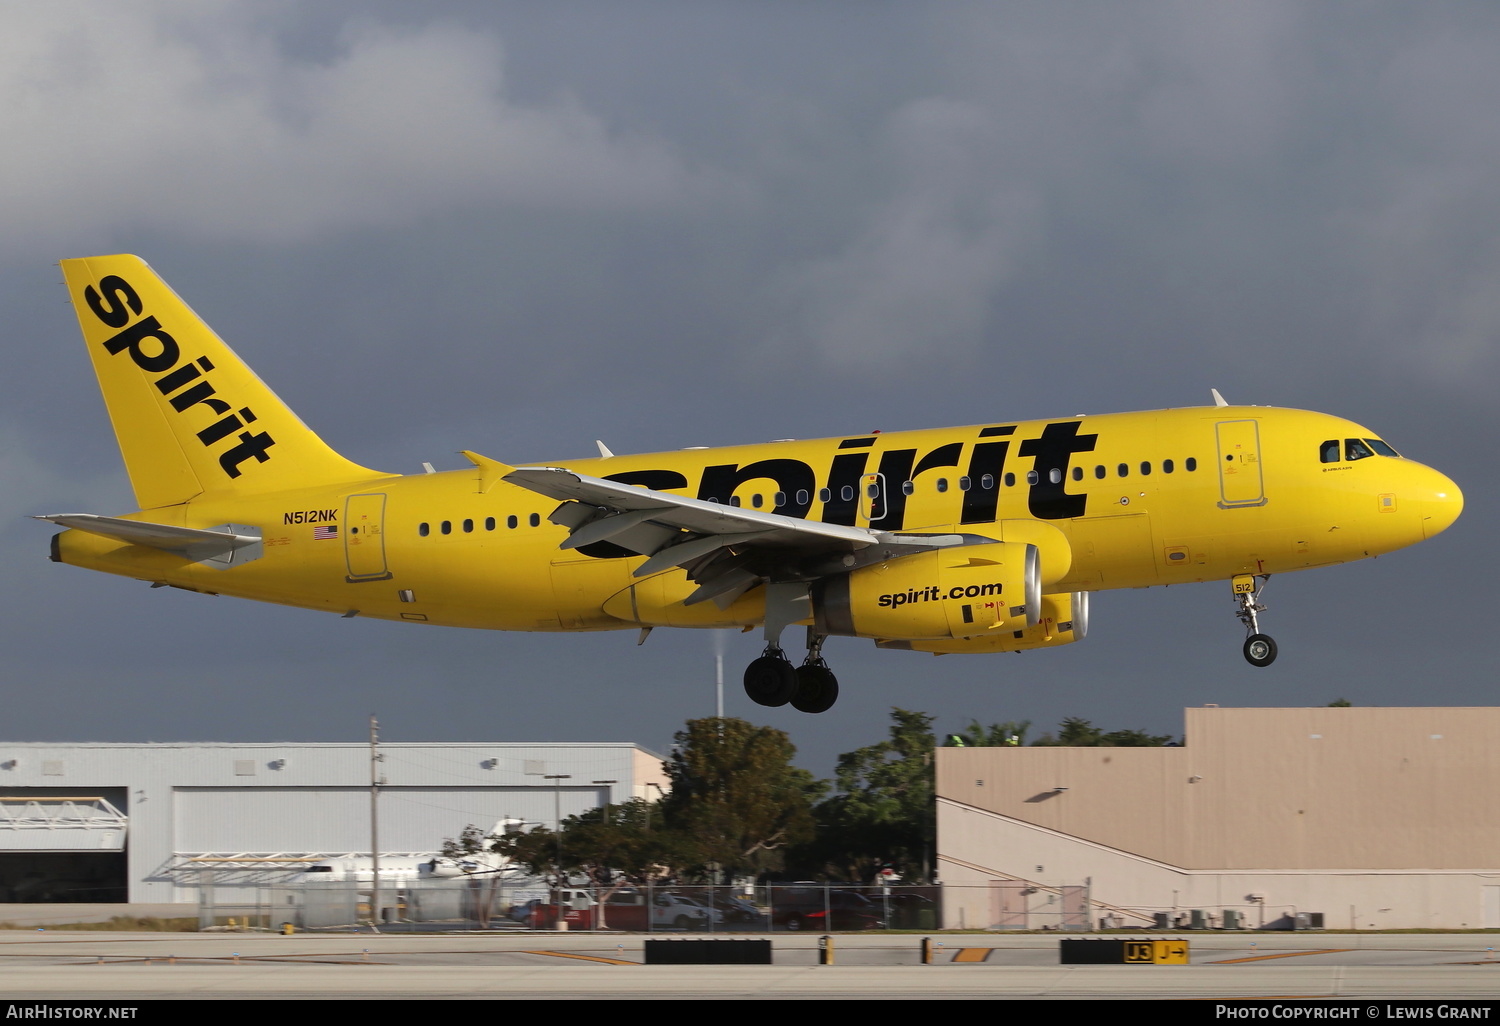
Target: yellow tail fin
{"points": [[190, 417]]}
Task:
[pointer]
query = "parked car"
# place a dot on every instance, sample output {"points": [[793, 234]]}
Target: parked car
{"points": [[813, 908], [733, 909], [682, 912], [626, 909]]}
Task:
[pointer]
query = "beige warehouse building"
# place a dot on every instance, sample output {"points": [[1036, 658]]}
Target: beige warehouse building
{"points": [[1370, 818]]}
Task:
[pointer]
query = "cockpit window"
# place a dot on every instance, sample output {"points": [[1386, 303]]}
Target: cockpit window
{"points": [[1381, 448], [1354, 449], [1328, 452]]}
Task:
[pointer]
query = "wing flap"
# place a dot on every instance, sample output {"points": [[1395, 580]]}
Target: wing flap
{"points": [[693, 515]]}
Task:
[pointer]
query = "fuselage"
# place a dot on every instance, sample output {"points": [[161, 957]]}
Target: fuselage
{"points": [[1125, 500]]}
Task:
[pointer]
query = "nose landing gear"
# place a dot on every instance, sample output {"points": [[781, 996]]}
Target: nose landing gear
{"points": [[811, 688], [1260, 649]]}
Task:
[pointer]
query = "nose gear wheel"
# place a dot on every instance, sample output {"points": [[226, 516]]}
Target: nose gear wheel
{"points": [[1260, 650]]}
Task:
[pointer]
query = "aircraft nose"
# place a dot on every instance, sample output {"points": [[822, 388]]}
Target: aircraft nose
{"points": [[1441, 503]]}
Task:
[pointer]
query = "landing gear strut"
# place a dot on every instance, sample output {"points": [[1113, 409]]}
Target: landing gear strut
{"points": [[1260, 649], [811, 688]]}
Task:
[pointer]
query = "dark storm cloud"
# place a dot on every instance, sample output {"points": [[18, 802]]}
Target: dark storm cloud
{"points": [[519, 227]]}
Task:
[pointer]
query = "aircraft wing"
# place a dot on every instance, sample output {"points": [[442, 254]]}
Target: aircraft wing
{"points": [[709, 518], [725, 549]]}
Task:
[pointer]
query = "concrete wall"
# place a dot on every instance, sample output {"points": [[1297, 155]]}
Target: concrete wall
{"points": [[1378, 818]]}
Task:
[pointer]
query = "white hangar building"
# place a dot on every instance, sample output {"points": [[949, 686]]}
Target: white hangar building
{"points": [[137, 822]]}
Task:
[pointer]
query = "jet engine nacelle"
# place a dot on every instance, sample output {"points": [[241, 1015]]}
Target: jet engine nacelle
{"points": [[1064, 620], [957, 592]]}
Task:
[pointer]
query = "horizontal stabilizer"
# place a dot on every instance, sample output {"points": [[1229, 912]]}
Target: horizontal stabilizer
{"points": [[217, 547]]}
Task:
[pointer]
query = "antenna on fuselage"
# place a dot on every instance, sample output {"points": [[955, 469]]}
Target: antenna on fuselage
{"points": [[1218, 399]]}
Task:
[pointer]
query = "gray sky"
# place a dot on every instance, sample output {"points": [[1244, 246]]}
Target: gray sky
{"points": [[518, 227]]}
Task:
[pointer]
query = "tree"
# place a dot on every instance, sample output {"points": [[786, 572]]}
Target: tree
{"points": [[736, 793], [1076, 732], [610, 846], [884, 811], [736, 804], [996, 735]]}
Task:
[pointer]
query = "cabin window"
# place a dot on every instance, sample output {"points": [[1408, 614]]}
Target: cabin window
{"points": [[1123, 470], [1099, 471], [511, 522], [755, 500], [1032, 477], [446, 527], [803, 499], [1167, 466], [536, 520], [824, 495], [489, 523], [423, 530], [1010, 480], [734, 500], [1191, 463], [847, 493], [1381, 448], [873, 491], [987, 482], [964, 484], [779, 499], [468, 527], [1354, 449], [942, 484], [907, 488], [1145, 468], [1077, 473]]}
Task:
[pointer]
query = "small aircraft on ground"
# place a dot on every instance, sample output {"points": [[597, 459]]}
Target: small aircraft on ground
{"points": [[977, 539]]}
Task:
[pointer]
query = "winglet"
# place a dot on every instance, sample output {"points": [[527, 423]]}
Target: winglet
{"points": [[604, 452], [1218, 399], [490, 471]]}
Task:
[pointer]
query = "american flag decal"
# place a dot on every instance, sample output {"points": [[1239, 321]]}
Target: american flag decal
{"points": [[326, 532]]}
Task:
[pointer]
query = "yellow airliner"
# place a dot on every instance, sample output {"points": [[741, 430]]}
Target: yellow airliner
{"points": [[986, 538]]}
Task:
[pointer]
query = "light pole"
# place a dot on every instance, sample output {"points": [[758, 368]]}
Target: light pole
{"points": [[557, 814], [660, 795], [606, 804]]}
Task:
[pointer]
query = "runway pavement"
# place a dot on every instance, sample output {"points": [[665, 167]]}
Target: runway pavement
{"points": [[142, 966]]}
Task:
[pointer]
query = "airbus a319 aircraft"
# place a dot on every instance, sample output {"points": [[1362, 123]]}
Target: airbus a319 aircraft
{"points": [[978, 539]]}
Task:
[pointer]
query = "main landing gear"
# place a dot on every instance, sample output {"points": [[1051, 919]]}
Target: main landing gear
{"points": [[811, 688], [1260, 649]]}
